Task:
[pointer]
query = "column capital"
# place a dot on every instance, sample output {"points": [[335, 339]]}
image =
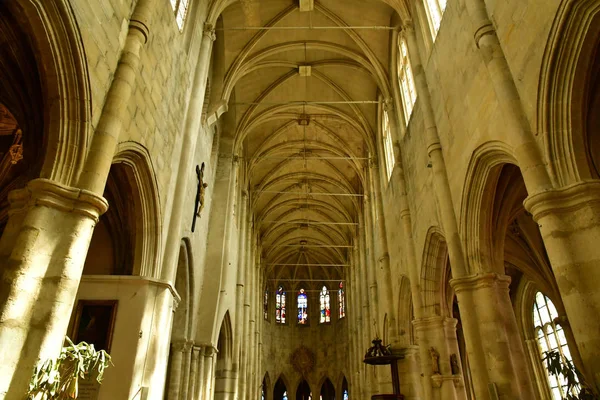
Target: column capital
{"points": [[478, 281], [435, 322], [184, 346], [44, 192], [209, 31], [564, 200]]}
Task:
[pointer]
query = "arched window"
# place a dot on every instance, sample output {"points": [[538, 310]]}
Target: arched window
{"points": [[406, 79], [345, 390], [325, 305], [180, 8], [342, 301], [266, 305], [302, 307], [284, 396], [280, 305], [551, 337], [388, 145], [435, 10]]}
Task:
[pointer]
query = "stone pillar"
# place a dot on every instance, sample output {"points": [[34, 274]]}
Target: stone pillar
{"points": [[42, 252], [239, 295], [175, 370], [440, 334], [488, 332], [246, 310], [370, 264], [409, 374], [384, 255], [191, 130], [569, 221], [209, 365], [200, 380], [192, 392], [187, 360]]}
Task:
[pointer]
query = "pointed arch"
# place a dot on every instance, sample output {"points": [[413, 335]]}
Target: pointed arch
{"points": [[52, 28], [433, 272], [147, 206], [563, 86], [281, 386]]}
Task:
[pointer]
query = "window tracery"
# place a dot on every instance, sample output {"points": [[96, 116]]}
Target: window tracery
{"points": [[325, 305], [406, 79], [342, 301], [180, 8], [280, 305], [266, 305], [302, 307], [388, 146], [550, 337]]}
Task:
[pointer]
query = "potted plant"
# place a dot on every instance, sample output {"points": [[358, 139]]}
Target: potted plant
{"points": [[59, 378], [564, 370]]}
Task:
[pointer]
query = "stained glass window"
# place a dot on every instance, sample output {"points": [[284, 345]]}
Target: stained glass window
{"points": [[302, 307], [406, 79], [284, 396], [325, 305], [435, 10], [342, 301], [180, 8], [345, 396], [280, 305], [266, 305], [550, 336], [388, 145]]}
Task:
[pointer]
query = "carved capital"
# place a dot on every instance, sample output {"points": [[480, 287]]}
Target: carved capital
{"points": [[209, 31], [564, 200], [438, 380], [479, 281], [44, 192]]}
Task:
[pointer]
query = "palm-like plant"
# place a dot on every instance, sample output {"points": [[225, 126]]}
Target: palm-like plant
{"points": [[577, 387], [58, 379]]}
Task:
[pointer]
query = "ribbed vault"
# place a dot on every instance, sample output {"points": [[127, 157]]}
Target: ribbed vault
{"points": [[305, 89]]}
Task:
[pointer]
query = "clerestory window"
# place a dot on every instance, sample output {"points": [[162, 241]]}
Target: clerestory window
{"points": [[388, 146], [325, 302], [180, 8], [435, 11], [406, 79], [280, 305]]}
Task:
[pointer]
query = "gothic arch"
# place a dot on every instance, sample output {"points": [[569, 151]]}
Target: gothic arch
{"points": [[281, 384], [184, 285], [147, 206], [563, 90], [485, 164], [405, 313], [53, 31], [433, 271]]}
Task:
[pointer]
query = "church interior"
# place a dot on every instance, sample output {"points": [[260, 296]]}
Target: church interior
{"points": [[302, 199]]}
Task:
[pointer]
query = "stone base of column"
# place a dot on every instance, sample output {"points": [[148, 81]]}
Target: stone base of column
{"points": [[569, 221], [42, 252]]}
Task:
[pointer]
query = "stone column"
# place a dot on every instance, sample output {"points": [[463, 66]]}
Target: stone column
{"points": [[42, 252], [194, 373], [440, 334], [200, 380], [239, 295], [384, 255], [489, 331], [370, 264], [209, 365], [175, 371], [246, 310], [409, 374], [187, 360], [191, 130], [569, 221]]}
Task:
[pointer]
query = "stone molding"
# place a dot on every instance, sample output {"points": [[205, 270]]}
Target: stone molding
{"points": [[438, 380], [44, 192], [485, 29], [134, 280], [183, 346], [564, 200], [479, 281], [436, 322]]}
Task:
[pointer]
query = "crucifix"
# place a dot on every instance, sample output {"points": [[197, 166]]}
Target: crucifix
{"points": [[199, 205]]}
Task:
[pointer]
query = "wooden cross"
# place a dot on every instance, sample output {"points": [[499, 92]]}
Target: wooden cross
{"points": [[199, 205]]}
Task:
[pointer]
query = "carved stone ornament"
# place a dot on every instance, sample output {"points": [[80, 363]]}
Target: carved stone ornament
{"points": [[303, 360]]}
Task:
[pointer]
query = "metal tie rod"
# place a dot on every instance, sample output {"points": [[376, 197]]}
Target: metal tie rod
{"points": [[315, 245], [312, 194], [309, 222], [307, 265], [299, 157], [306, 280], [290, 28], [302, 102]]}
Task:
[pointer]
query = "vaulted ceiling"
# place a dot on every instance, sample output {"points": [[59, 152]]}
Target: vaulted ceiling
{"points": [[305, 88]]}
